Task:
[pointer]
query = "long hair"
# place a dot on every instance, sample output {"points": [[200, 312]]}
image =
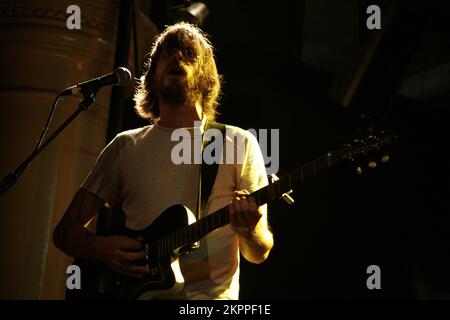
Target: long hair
{"points": [[183, 36]]}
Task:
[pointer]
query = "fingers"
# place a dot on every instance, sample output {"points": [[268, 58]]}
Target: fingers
{"points": [[240, 204], [129, 269], [241, 193], [237, 219], [122, 251], [124, 244], [131, 256], [128, 243], [244, 211]]}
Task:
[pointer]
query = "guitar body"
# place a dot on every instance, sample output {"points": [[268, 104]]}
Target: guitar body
{"points": [[98, 281]]}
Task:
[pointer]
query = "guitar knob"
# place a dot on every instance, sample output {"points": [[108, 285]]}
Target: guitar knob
{"points": [[359, 170], [372, 164], [385, 159]]}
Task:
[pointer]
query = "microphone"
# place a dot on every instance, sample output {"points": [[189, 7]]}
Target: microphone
{"points": [[120, 77]]}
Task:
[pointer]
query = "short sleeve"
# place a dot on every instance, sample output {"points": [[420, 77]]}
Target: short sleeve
{"points": [[252, 174], [105, 179]]}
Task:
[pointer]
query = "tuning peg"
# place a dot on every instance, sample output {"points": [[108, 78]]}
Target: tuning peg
{"points": [[372, 165], [385, 158]]}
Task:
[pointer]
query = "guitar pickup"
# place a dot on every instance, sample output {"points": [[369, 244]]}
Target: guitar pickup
{"points": [[285, 196]]}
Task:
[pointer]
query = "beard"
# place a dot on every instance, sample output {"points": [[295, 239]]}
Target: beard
{"points": [[177, 91]]}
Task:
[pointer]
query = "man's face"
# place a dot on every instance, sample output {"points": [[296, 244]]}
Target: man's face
{"points": [[175, 76]]}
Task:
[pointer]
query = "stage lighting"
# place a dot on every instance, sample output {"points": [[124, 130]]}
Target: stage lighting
{"points": [[192, 12]]}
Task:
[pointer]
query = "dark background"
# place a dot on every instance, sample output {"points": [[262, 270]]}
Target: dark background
{"points": [[280, 61]]}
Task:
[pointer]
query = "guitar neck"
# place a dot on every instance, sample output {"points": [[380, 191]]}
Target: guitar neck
{"points": [[192, 233], [197, 230], [286, 183]]}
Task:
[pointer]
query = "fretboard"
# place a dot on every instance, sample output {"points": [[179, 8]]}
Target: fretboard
{"points": [[197, 230]]}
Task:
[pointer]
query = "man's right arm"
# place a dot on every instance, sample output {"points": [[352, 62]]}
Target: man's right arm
{"points": [[70, 235], [74, 239]]}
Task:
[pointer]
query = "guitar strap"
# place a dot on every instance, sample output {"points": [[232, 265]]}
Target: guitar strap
{"points": [[208, 172], [114, 217]]}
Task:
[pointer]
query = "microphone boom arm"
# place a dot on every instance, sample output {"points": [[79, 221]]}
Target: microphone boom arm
{"points": [[9, 180]]}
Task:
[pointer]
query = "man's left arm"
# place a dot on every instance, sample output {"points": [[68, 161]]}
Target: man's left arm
{"points": [[250, 224]]}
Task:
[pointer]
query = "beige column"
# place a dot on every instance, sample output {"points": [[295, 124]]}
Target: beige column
{"points": [[39, 56]]}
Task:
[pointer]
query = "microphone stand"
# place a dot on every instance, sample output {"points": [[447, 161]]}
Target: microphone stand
{"points": [[9, 180]]}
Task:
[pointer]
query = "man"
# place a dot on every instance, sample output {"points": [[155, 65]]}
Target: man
{"points": [[179, 90]]}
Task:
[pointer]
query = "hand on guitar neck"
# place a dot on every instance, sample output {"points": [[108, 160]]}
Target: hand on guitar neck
{"points": [[255, 238], [244, 214]]}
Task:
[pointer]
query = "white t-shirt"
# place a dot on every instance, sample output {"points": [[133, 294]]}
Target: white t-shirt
{"points": [[136, 169]]}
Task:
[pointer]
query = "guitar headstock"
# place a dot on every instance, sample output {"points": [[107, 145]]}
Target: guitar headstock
{"points": [[372, 150]]}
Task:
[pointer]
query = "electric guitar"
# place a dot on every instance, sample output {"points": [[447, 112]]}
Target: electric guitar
{"points": [[176, 232]]}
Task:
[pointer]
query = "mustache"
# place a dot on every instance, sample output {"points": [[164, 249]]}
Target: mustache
{"points": [[177, 66]]}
